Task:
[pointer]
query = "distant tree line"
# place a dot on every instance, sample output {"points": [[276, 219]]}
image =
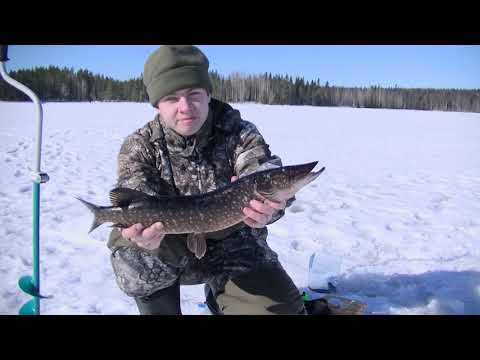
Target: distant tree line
{"points": [[268, 89], [55, 84]]}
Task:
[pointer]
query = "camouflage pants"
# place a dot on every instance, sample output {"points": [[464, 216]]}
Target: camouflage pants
{"points": [[243, 273]]}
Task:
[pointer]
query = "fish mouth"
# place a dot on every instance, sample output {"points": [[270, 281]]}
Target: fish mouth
{"points": [[303, 173], [305, 168], [293, 178]]}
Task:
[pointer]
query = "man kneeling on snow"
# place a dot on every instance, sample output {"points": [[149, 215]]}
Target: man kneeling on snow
{"points": [[196, 144]]}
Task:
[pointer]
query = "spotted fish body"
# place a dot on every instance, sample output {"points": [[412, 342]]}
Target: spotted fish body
{"points": [[214, 211], [206, 213]]}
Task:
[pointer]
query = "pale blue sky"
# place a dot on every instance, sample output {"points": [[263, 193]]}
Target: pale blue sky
{"points": [[434, 66]]}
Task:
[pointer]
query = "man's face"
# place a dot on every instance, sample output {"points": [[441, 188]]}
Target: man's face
{"points": [[185, 111]]}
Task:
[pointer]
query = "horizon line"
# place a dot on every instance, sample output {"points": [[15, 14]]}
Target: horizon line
{"points": [[254, 74]]}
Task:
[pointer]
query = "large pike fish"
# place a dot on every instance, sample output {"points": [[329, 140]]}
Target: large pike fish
{"points": [[199, 215]]}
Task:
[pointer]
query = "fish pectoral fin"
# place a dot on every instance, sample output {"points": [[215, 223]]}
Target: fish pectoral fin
{"points": [[122, 197], [197, 244], [191, 244], [201, 248]]}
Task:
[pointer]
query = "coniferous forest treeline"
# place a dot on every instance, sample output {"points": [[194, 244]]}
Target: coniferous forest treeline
{"points": [[55, 84]]}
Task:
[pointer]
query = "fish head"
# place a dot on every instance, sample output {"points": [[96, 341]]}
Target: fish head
{"points": [[283, 183]]}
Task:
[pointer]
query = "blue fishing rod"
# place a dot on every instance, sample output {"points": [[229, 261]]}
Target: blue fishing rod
{"points": [[30, 284]]}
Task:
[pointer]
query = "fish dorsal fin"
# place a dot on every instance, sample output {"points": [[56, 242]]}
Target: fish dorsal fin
{"points": [[122, 197]]}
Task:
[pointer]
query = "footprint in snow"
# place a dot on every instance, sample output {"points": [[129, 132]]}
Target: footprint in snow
{"points": [[24, 189], [26, 262], [295, 245], [344, 206], [438, 201], [13, 153], [58, 219]]}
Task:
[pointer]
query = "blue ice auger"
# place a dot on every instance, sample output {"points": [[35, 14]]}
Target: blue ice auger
{"points": [[30, 284]]}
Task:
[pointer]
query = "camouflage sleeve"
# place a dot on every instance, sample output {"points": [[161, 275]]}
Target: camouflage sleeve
{"points": [[137, 166], [253, 154], [136, 170]]}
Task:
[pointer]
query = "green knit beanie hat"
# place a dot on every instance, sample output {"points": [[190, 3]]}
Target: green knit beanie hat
{"points": [[175, 67]]}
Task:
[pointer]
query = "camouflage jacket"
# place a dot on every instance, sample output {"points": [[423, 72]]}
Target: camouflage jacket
{"points": [[158, 161]]}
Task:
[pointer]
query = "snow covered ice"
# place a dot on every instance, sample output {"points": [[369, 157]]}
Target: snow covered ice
{"points": [[399, 202]]}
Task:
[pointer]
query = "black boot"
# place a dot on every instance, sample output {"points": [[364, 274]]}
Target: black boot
{"points": [[162, 302], [211, 302]]}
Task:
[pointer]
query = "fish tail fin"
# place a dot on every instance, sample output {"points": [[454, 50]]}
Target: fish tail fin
{"points": [[95, 210]]}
